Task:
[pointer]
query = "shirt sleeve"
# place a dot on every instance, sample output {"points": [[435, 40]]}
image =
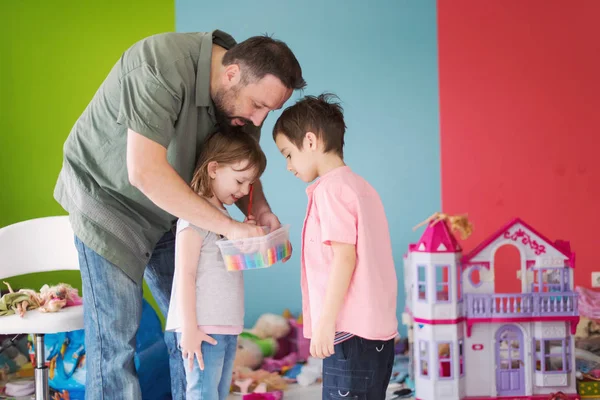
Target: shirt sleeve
{"points": [[183, 224], [337, 214], [147, 107]]}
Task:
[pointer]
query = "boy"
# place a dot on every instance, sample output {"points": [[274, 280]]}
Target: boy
{"points": [[348, 279]]}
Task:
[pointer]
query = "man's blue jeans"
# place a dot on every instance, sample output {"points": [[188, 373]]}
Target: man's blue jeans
{"points": [[112, 312]]}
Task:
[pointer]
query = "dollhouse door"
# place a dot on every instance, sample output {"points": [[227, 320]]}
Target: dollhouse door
{"points": [[510, 368]]}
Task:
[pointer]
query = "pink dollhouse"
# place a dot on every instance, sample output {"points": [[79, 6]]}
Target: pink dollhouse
{"points": [[470, 342]]}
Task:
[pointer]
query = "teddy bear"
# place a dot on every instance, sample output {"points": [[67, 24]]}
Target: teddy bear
{"points": [[261, 341]]}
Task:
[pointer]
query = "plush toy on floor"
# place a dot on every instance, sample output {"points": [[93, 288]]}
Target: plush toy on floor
{"points": [[248, 354], [263, 341], [247, 381]]}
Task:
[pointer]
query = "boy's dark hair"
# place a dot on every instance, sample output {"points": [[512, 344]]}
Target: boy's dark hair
{"points": [[229, 146], [320, 115], [262, 55]]}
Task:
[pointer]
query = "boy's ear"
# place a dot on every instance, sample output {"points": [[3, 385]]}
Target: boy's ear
{"points": [[310, 141], [212, 169]]}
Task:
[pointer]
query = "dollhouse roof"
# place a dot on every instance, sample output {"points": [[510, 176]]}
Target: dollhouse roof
{"points": [[526, 235], [437, 238]]}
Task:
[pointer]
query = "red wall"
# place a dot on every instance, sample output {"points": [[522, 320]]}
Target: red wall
{"points": [[520, 120]]}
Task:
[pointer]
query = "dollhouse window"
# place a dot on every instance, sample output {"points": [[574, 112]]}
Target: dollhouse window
{"points": [[424, 358], [550, 280], [552, 355], [475, 276], [422, 282], [444, 351], [461, 357], [442, 283]]}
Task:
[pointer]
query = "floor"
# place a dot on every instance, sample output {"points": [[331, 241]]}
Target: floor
{"points": [[313, 392]]}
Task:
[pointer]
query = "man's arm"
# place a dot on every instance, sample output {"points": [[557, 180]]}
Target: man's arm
{"points": [[150, 172]]}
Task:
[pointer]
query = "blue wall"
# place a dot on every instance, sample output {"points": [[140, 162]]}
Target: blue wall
{"points": [[380, 58]]}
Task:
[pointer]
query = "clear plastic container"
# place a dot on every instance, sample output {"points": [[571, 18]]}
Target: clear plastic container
{"points": [[256, 252]]}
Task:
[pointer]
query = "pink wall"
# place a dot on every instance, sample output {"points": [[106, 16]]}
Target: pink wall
{"points": [[520, 120]]}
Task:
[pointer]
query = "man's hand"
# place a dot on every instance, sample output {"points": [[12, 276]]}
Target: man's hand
{"points": [[321, 344], [269, 219], [239, 230]]}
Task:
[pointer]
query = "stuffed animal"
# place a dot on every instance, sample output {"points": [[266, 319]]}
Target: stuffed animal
{"points": [[271, 326], [248, 354], [265, 334]]}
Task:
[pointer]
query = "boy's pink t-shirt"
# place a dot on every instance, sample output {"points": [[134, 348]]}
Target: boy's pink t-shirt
{"points": [[345, 208]]}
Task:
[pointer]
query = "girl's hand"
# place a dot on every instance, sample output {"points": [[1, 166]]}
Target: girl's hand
{"points": [[250, 220], [191, 344]]}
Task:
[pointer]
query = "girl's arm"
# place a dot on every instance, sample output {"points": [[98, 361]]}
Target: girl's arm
{"points": [[189, 243]]}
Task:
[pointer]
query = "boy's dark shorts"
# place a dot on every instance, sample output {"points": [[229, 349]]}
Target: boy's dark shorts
{"points": [[360, 369]]}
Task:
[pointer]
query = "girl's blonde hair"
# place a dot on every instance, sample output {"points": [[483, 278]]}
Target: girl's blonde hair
{"points": [[229, 147]]}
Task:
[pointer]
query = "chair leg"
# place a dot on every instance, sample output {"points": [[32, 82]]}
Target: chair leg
{"points": [[41, 371]]}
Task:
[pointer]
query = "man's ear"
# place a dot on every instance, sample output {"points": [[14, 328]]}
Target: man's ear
{"points": [[231, 75]]}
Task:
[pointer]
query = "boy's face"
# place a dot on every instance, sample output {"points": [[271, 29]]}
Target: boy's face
{"points": [[301, 162]]}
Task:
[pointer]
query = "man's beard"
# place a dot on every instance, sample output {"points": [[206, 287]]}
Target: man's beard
{"points": [[223, 103]]}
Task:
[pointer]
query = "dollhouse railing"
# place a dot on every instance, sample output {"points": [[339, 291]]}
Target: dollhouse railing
{"points": [[521, 305]]}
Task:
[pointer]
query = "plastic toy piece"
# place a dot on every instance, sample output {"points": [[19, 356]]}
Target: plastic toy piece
{"points": [[460, 329], [276, 395]]}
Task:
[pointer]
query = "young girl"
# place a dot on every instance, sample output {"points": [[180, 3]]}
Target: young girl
{"points": [[207, 301]]}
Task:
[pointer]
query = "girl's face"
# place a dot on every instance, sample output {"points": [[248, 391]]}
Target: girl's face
{"points": [[229, 182]]}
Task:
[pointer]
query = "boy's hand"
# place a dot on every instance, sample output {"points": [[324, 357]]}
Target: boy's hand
{"points": [[250, 220], [321, 345], [191, 344]]}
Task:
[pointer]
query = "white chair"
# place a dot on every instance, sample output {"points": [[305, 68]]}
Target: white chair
{"points": [[39, 245]]}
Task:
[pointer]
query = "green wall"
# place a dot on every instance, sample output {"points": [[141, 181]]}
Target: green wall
{"points": [[53, 56]]}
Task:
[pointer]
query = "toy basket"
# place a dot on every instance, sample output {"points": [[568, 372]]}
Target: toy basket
{"points": [[256, 252]]}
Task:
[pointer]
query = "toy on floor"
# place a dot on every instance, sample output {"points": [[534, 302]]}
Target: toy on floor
{"points": [[49, 299], [311, 372], [277, 395], [458, 318], [246, 381], [282, 365], [295, 340], [248, 354], [403, 393], [271, 342]]}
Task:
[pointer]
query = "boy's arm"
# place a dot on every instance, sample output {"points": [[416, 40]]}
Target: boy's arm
{"points": [[338, 220], [342, 268]]}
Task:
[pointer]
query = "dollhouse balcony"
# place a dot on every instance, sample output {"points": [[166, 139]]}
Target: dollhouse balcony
{"points": [[521, 307]]}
